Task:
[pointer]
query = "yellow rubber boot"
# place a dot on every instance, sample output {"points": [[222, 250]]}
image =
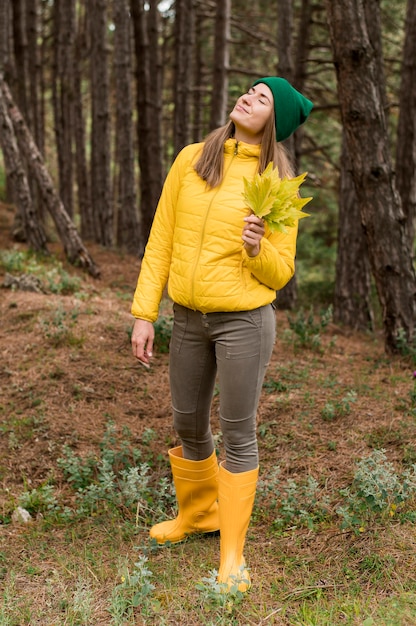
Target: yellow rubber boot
{"points": [[236, 493], [196, 485]]}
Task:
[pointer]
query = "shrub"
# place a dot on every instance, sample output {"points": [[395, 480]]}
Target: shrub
{"points": [[307, 328], [116, 480], [163, 332], [296, 504], [377, 491]]}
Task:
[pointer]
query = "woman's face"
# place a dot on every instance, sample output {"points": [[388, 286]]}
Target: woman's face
{"points": [[251, 112]]}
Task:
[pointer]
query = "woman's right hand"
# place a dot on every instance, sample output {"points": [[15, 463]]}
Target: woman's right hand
{"points": [[142, 341]]}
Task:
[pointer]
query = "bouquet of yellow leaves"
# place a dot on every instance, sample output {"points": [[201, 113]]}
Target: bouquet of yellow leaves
{"points": [[276, 200]]}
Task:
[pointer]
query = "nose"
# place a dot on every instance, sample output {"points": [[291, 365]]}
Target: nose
{"points": [[245, 99]]}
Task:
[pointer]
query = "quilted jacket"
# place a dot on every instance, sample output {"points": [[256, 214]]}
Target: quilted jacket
{"points": [[195, 245]]}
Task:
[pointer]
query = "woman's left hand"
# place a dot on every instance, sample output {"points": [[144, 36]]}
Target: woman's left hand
{"points": [[253, 232]]}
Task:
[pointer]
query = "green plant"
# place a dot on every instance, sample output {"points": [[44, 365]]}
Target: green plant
{"points": [[108, 490], [376, 491], [13, 260], [163, 332], [80, 608], [149, 435], [58, 281], [273, 386], [405, 347], [340, 408], [39, 500], [77, 471], [266, 435], [412, 393], [48, 270], [2, 184], [409, 454], [115, 480], [307, 327], [297, 505], [9, 601], [216, 596], [3, 560], [57, 329], [133, 592], [21, 428]]}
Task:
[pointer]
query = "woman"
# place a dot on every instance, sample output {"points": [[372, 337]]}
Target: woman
{"points": [[222, 267]]}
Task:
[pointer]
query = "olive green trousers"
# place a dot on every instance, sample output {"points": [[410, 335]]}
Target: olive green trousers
{"points": [[232, 350]]}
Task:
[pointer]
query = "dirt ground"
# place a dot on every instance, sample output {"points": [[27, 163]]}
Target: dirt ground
{"points": [[53, 395], [66, 369]]}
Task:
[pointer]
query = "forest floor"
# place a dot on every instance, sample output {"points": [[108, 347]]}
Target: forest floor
{"points": [[331, 398]]}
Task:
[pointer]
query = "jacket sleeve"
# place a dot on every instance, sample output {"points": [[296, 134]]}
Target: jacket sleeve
{"points": [[155, 265], [274, 266]]}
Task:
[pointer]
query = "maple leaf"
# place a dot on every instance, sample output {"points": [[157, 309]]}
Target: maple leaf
{"points": [[276, 200]]}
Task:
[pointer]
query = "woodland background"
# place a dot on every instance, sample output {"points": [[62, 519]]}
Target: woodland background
{"points": [[107, 93], [96, 99]]}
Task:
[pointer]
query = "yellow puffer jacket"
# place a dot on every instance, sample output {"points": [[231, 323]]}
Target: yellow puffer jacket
{"points": [[195, 244]]}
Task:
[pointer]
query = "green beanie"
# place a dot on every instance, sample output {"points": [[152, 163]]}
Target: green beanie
{"points": [[291, 108]]}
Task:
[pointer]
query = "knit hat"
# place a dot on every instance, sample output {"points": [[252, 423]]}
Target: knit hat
{"points": [[291, 108]]}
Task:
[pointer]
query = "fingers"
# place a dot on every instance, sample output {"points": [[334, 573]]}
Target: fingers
{"points": [[142, 341], [253, 219], [253, 232], [254, 223]]}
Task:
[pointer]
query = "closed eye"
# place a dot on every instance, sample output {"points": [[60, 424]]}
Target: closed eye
{"points": [[263, 99]]}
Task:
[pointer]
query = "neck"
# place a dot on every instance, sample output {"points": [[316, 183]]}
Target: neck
{"points": [[240, 135]]}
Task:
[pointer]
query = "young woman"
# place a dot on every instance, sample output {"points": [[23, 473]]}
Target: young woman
{"points": [[223, 268]]}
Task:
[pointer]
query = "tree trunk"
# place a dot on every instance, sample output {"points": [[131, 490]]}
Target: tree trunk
{"points": [[219, 98], [5, 24], [197, 132], [45, 19], [291, 65], [6, 58], [361, 101], [20, 79], [32, 12], [406, 131], [148, 98], [73, 246], [300, 68], [126, 213], [285, 62], [81, 163], [286, 297], [64, 29], [27, 218], [155, 148], [100, 120], [184, 18], [352, 297]]}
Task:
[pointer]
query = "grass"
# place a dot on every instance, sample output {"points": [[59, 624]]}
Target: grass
{"points": [[96, 564], [93, 583], [83, 440], [50, 273]]}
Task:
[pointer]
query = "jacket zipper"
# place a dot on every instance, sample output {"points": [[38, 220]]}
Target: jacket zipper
{"points": [[203, 228]]}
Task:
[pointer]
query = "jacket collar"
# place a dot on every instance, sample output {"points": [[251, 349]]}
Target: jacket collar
{"points": [[231, 146]]}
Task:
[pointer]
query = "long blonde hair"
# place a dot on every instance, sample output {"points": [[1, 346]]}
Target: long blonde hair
{"points": [[210, 164]]}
